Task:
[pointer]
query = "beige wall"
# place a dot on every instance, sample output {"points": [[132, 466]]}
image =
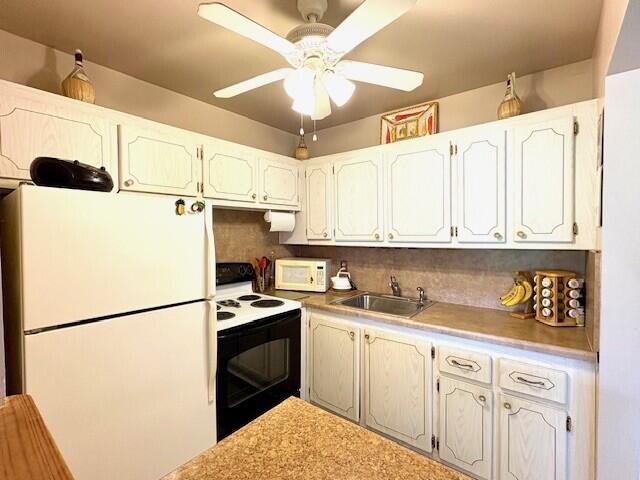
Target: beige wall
{"points": [[33, 64], [466, 277], [610, 23], [550, 88]]}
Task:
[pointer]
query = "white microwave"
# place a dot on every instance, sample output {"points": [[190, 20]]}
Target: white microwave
{"points": [[306, 274]]}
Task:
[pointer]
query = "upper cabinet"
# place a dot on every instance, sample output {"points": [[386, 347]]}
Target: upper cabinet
{"points": [[481, 192], [229, 172], [158, 160], [33, 126], [418, 186], [319, 186], [528, 182], [544, 181], [359, 197], [279, 179]]}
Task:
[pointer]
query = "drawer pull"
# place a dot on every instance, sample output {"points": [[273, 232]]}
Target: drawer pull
{"points": [[461, 365], [534, 383]]}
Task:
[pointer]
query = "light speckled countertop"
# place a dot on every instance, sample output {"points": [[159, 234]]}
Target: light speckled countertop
{"points": [[482, 324], [297, 440]]}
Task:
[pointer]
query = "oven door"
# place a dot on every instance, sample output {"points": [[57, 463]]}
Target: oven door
{"points": [[258, 367]]}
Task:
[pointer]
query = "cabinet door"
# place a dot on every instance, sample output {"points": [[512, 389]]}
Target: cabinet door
{"points": [[533, 441], [30, 128], [397, 384], [481, 195], [229, 172], [543, 183], [158, 161], [418, 182], [359, 198], [334, 363], [319, 187], [466, 432], [279, 177]]}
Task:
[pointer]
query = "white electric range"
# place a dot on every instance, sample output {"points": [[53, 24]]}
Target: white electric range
{"points": [[237, 304]]}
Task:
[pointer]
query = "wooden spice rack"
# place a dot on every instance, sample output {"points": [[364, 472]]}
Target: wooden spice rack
{"points": [[557, 294]]}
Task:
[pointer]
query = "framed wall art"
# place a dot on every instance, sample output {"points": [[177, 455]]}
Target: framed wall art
{"points": [[411, 122]]}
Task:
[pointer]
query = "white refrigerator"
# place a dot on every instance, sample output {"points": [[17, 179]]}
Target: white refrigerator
{"points": [[110, 321]]}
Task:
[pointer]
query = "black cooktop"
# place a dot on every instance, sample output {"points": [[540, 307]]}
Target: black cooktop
{"points": [[267, 303], [225, 315], [248, 298]]}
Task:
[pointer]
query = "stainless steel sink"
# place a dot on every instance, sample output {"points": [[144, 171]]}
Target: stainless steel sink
{"points": [[376, 302]]}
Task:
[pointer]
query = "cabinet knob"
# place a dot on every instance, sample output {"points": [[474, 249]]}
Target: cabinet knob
{"points": [[352, 335], [366, 336], [521, 234], [482, 398], [497, 236], [507, 405], [390, 236], [128, 182], [324, 234], [377, 236], [265, 198], [253, 196]]}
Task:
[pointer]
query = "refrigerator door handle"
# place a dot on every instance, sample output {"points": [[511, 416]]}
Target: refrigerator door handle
{"points": [[211, 251], [212, 350]]}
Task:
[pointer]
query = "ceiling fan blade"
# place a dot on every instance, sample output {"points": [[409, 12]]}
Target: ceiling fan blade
{"points": [[391, 77], [236, 22], [323, 105], [370, 17], [255, 82]]}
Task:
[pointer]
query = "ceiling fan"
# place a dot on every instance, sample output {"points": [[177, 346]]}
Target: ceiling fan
{"points": [[315, 50]]}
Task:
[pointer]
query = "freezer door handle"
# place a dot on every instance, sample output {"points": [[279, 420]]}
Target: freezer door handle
{"points": [[211, 251], [212, 350]]}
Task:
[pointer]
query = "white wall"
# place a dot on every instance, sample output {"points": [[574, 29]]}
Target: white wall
{"points": [[619, 380], [538, 91], [29, 63]]}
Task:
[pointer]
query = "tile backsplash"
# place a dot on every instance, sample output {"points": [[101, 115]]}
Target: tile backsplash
{"points": [[467, 277], [244, 235]]}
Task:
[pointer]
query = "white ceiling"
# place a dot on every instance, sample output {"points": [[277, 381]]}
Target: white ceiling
{"points": [[458, 45]]}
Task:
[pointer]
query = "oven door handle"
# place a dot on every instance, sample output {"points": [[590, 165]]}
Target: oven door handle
{"points": [[212, 350]]}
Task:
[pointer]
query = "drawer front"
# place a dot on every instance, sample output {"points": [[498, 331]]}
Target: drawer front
{"points": [[533, 380], [466, 364]]}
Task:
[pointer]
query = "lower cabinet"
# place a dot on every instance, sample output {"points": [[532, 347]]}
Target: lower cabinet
{"points": [[397, 382], [474, 421], [466, 426], [533, 440], [334, 366]]}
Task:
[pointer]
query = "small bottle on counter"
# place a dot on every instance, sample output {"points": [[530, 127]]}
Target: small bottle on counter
{"points": [[573, 303], [546, 312], [574, 294], [547, 302], [546, 292], [575, 283], [547, 282]]}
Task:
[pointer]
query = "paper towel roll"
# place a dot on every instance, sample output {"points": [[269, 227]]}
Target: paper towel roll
{"points": [[280, 221]]}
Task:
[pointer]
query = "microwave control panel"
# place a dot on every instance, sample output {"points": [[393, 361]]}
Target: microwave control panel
{"points": [[320, 275]]}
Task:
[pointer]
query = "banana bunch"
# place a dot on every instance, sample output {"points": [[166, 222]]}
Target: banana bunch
{"points": [[520, 292]]}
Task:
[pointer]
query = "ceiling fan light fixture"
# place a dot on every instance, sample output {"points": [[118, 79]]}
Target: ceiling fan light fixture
{"points": [[339, 88], [300, 83], [305, 105]]}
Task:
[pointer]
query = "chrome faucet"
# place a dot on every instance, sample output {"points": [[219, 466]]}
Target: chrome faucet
{"points": [[420, 296], [395, 287]]}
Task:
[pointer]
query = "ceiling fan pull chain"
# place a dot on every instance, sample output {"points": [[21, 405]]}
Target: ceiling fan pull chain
{"points": [[301, 124], [315, 135]]}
